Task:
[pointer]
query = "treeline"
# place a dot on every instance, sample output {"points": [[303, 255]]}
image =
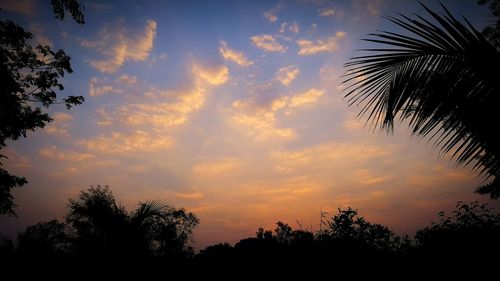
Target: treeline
{"points": [[101, 240]]}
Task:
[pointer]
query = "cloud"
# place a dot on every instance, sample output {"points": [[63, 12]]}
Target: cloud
{"points": [[233, 55], [164, 114], [259, 122], [105, 117], [294, 27], [283, 27], [120, 45], [327, 12], [287, 74], [262, 127], [97, 87], [311, 96], [310, 48], [216, 167], [267, 43], [163, 110], [16, 159], [121, 143], [270, 16], [25, 7], [186, 195], [371, 6], [215, 75], [53, 152], [127, 79], [62, 117], [60, 124]]}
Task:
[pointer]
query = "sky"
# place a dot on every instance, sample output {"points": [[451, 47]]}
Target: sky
{"points": [[232, 110]]}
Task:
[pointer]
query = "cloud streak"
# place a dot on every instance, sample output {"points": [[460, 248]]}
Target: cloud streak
{"points": [[119, 45], [233, 55], [267, 43], [287, 74], [307, 47]]}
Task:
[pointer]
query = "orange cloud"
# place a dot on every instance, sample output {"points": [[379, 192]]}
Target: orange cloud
{"points": [[267, 43], [127, 79], [311, 96], [217, 167], [98, 87], [287, 74], [307, 47], [119, 45], [65, 155], [120, 143], [60, 124], [234, 56], [270, 16], [215, 76]]}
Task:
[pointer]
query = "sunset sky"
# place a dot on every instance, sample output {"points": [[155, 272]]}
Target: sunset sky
{"points": [[230, 109]]}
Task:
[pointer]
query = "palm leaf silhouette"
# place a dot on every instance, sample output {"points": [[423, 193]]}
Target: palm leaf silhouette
{"points": [[442, 77]]}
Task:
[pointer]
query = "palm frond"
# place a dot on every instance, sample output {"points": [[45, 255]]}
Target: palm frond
{"points": [[442, 79]]}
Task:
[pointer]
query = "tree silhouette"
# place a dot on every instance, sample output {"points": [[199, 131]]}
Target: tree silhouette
{"points": [[102, 227], [29, 79], [442, 79], [43, 239]]}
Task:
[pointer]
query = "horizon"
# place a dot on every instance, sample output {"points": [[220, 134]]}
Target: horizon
{"points": [[232, 110]]}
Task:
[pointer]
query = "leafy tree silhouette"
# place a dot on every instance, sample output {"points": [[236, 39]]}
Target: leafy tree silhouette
{"points": [[100, 238], [102, 227], [442, 79], [30, 77]]}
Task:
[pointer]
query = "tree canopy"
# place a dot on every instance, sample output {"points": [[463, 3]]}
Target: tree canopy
{"points": [[442, 79], [30, 83]]}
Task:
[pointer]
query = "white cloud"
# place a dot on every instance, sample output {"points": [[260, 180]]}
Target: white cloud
{"points": [[287, 74], [233, 55], [283, 27], [267, 43], [270, 16], [310, 48], [294, 27], [98, 87], [119, 45]]}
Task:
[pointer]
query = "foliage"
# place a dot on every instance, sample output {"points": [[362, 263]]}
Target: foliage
{"points": [[30, 78], [101, 226], [72, 6], [44, 238], [347, 225], [442, 80], [492, 32], [466, 219], [129, 244]]}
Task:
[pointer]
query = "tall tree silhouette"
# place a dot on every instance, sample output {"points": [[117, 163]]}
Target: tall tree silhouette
{"points": [[30, 76], [442, 79]]}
